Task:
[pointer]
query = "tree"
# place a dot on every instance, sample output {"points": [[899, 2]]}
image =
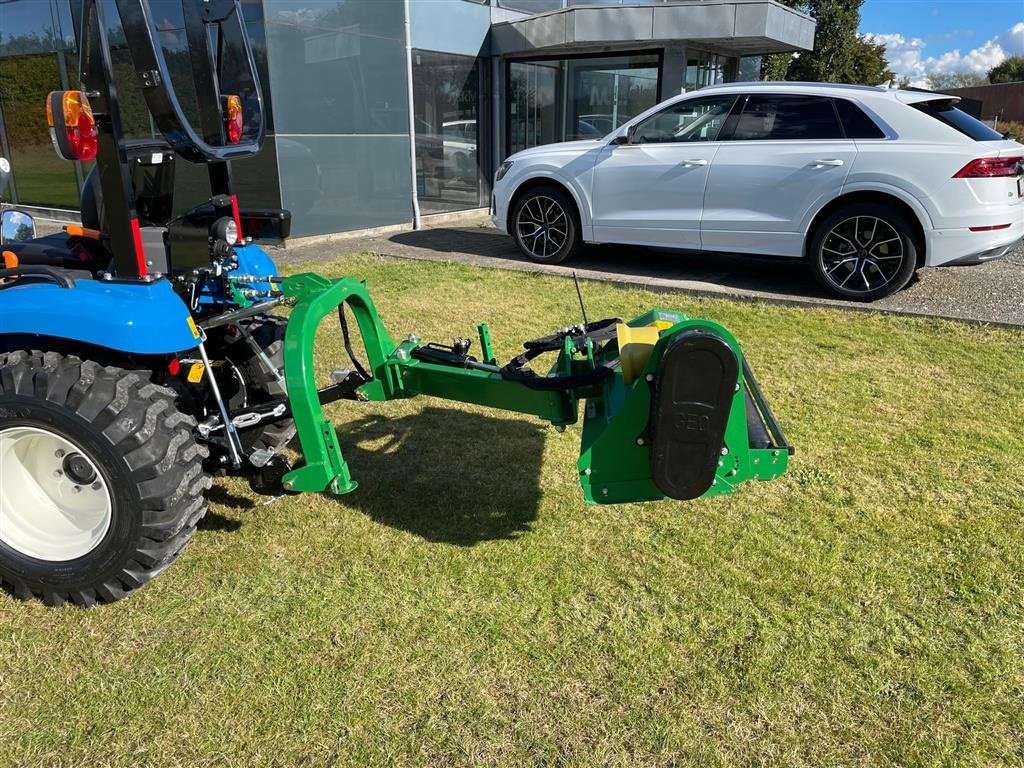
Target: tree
{"points": [[867, 65], [943, 81], [1010, 71], [840, 55]]}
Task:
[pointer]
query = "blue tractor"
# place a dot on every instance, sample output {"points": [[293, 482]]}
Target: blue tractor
{"points": [[143, 353]]}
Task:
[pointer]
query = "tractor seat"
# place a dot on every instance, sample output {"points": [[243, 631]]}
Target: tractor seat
{"points": [[59, 250]]}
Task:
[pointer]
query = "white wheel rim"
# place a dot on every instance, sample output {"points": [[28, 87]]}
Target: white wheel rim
{"points": [[47, 510]]}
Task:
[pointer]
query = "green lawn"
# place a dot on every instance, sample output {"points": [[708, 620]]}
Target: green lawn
{"points": [[463, 607]]}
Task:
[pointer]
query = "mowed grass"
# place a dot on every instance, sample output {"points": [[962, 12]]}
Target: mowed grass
{"points": [[464, 607]]}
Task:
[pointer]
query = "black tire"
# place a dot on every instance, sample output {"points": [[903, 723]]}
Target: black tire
{"points": [[145, 453], [864, 252], [261, 385], [536, 225]]}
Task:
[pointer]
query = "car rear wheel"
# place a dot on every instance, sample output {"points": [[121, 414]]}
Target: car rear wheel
{"points": [[864, 252], [544, 225]]}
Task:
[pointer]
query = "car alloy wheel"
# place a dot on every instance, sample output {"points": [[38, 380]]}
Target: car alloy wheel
{"points": [[862, 254], [542, 227]]}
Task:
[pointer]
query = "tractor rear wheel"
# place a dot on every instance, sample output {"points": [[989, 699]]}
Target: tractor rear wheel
{"points": [[101, 479]]}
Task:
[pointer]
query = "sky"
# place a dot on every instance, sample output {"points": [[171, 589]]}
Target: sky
{"points": [[922, 37]]}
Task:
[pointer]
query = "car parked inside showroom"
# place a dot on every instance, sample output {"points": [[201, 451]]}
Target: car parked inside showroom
{"points": [[867, 184]]}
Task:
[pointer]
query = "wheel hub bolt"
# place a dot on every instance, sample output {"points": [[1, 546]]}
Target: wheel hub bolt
{"points": [[76, 489], [96, 486], [59, 453], [58, 473]]}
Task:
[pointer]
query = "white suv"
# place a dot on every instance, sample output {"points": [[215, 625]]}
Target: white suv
{"points": [[867, 184]]}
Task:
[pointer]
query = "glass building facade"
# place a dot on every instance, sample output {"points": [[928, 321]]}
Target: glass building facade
{"points": [[351, 139]]}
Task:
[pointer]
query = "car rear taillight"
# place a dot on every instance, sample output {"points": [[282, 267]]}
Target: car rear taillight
{"points": [[989, 167]]}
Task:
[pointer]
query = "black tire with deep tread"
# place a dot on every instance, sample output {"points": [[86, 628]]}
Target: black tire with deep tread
{"points": [[268, 332], [147, 452]]}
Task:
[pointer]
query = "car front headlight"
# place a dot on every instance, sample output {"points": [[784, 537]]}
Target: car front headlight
{"points": [[502, 170]]}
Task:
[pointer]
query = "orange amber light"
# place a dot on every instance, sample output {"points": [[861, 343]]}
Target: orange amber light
{"points": [[233, 118], [72, 125]]}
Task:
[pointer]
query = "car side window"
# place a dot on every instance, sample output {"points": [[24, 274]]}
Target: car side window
{"points": [[857, 124], [686, 121], [771, 117]]}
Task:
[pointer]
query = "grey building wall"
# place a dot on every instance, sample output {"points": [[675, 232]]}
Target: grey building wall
{"points": [[337, 74]]}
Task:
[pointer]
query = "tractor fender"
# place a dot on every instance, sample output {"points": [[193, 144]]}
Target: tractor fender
{"points": [[134, 317]]}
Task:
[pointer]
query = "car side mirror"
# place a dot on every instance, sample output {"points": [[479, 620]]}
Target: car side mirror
{"points": [[625, 138], [16, 227]]}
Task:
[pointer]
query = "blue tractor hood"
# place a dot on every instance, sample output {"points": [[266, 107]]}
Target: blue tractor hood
{"points": [[134, 317]]}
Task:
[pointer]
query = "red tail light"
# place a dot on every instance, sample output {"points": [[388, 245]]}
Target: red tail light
{"points": [[989, 167], [72, 125], [233, 118]]}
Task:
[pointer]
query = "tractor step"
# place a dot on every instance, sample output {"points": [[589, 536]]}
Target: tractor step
{"points": [[693, 395]]}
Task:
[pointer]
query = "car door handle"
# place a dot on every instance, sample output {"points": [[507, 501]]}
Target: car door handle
{"points": [[694, 162], [830, 163]]}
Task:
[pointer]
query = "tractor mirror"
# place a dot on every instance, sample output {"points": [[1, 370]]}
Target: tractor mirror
{"points": [[5, 173], [16, 227]]}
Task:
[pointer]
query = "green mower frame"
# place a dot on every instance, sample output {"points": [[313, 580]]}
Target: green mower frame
{"points": [[618, 439]]}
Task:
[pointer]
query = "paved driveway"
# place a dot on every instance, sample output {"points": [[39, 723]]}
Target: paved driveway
{"points": [[991, 292]]}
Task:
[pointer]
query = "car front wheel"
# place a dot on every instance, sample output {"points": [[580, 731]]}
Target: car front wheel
{"points": [[864, 252], [544, 225]]}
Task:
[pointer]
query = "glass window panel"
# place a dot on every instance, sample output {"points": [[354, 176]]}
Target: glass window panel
{"points": [[531, 6], [856, 124], [704, 69], [338, 183], [375, 18], [774, 117], [579, 98], [40, 176], [533, 118], [687, 121], [446, 92], [65, 30], [337, 82], [28, 26], [749, 69], [606, 93]]}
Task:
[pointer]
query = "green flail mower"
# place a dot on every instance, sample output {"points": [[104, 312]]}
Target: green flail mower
{"points": [[142, 353], [671, 409]]}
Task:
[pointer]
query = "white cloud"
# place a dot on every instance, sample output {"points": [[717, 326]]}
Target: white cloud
{"points": [[906, 58]]}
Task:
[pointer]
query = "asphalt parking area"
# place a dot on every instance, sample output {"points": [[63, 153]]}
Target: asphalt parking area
{"points": [[991, 292]]}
